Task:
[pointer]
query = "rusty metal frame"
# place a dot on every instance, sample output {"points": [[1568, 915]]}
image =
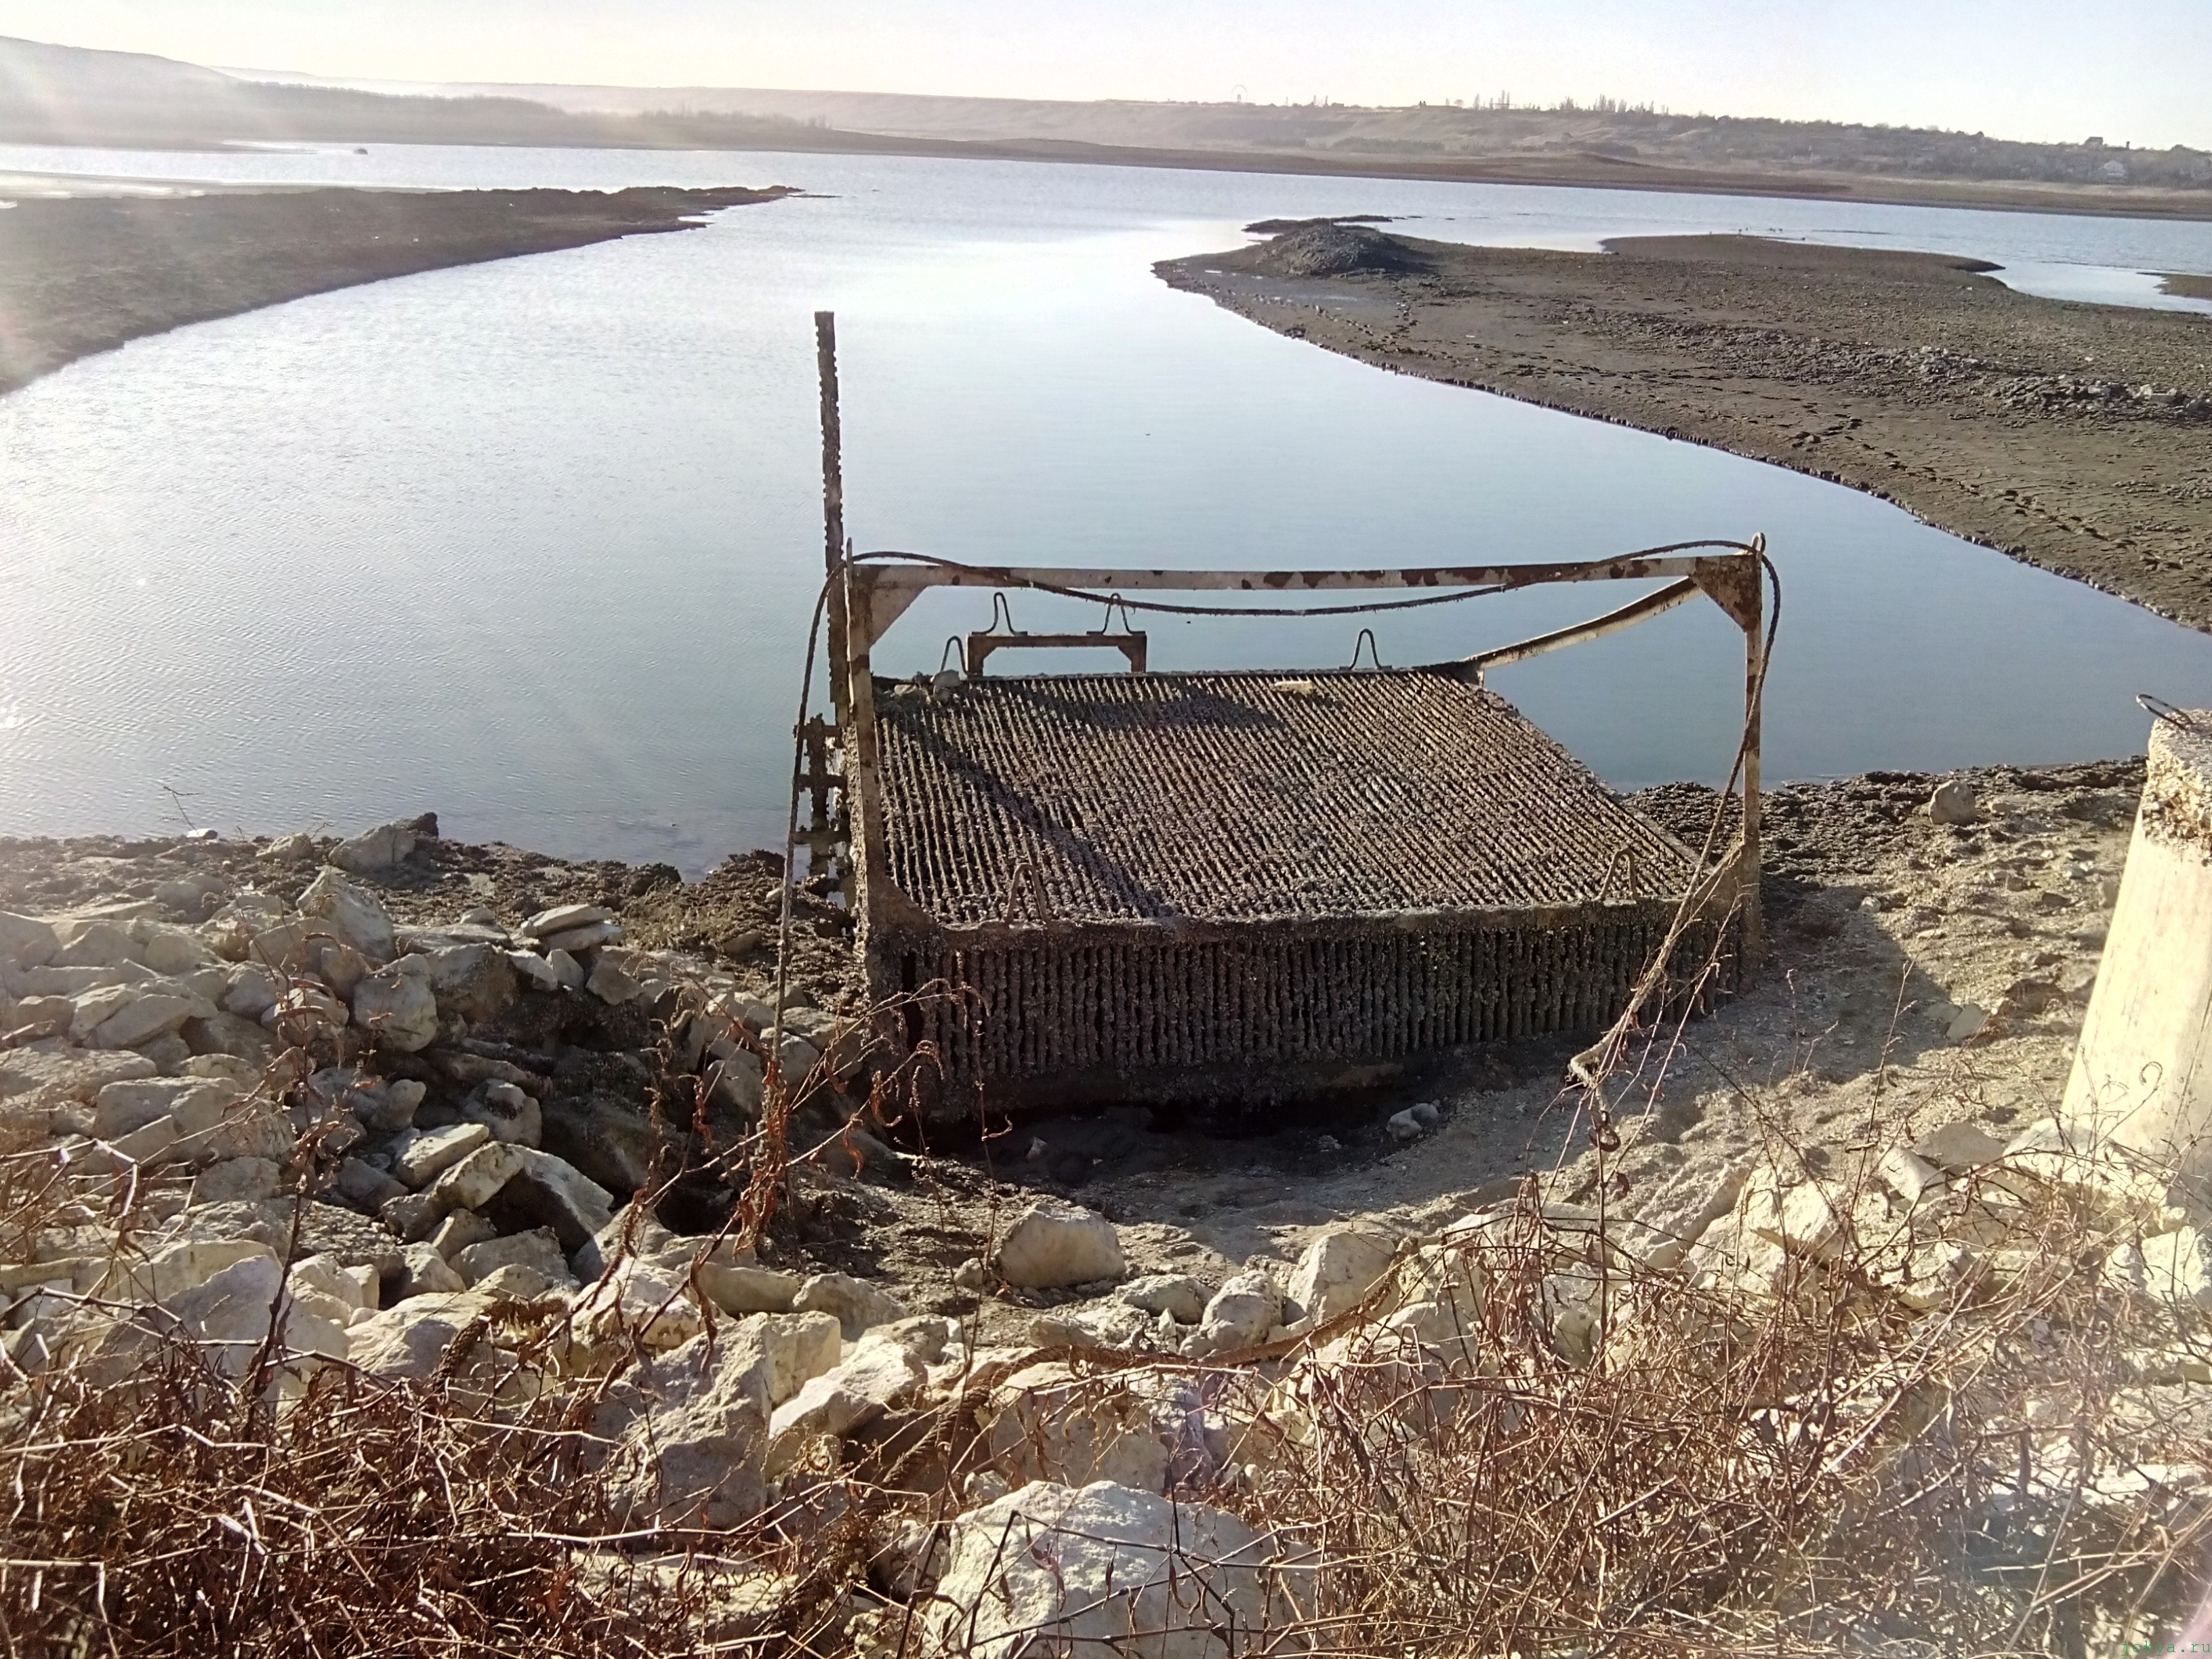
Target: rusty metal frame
{"points": [[867, 595], [877, 591]]}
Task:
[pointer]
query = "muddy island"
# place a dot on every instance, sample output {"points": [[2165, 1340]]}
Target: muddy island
{"points": [[2076, 437]]}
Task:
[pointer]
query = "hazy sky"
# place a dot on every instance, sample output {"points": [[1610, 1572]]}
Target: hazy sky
{"points": [[2137, 70]]}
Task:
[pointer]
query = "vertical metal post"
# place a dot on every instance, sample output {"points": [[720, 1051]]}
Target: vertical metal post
{"points": [[832, 502], [1754, 696]]}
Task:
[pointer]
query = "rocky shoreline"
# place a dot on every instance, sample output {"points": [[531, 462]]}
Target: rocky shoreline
{"points": [[462, 1149]]}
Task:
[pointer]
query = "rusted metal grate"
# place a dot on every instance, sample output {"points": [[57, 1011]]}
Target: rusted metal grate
{"points": [[1246, 798]]}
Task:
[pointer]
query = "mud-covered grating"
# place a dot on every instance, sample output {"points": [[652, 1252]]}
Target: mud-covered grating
{"points": [[1246, 798]]}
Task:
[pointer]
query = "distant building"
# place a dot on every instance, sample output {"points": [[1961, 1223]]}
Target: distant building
{"points": [[2116, 171]]}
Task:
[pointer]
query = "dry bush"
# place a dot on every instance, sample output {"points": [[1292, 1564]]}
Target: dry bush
{"points": [[1822, 1471]]}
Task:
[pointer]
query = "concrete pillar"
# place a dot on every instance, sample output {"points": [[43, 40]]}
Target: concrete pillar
{"points": [[2143, 1075]]}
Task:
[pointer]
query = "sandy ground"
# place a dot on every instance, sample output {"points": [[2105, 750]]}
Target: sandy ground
{"points": [[2077, 437], [86, 275], [1885, 926]]}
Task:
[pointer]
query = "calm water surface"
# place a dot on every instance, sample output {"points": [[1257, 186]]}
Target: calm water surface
{"points": [[532, 545]]}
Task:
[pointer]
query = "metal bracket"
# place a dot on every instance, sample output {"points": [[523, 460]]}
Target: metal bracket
{"points": [[1131, 643]]}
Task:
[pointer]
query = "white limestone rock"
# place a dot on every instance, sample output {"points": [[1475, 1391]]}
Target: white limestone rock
{"points": [[1243, 1311], [1054, 1245], [474, 981], [25, 941], [350, 912], [1179, 1296], [855, 1304], [1109, 1570], [372, 852], [690, 1434], [1338, 1269], [740, 1290], [538, 1249], [398, 1009], [1953, 803], [420, 1156], [410, 1339], [236, 1178]]}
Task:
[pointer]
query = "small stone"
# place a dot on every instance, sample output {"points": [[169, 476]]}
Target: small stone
{"points": [[610, 983], [2177, 1267], [1405, 1125], [800, 1346], [350, 911], [426, 1272], [252, 990], [1953, 803], [150, 1144], [390, 1107], [582, 939], [536, 970], [247, 1178], [95, 945], [422, 1155], [1968, 1022], [1054, 1245], [35, 1018], [305, 1013], [566, 969], [365, 1185], [294, 848], [510, 1115], [410, 1339], [474, 982], [398, 1008], [169, 1051], [563, 918], [145, 1016], [740, 1290], [463, 1229], [26, 942], [1910, 1176], [195, 1104], [1177, 1295], [171, 951], [517, 1283], [536, 1249], [1958, 1146], [856, 1305], [1241, 1315], [975, 1275], [1338, 1269], [374, 851]]}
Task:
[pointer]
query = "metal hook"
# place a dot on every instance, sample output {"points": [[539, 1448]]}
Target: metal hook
{"points": [[1374, 651], [1115, 602], [952, 651], [1621, 855], [2159, 709], [1026, 881], [1000, 609]]}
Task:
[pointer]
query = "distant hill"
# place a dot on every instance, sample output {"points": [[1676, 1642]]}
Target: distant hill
{"points": [[1437, 133], [65, 95], [53, 94]]}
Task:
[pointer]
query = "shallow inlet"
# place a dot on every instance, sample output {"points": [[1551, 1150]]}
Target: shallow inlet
{"points": [[533, 545]]}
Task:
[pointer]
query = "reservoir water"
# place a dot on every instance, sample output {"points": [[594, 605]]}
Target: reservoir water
{"points": [[533, 544]]}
